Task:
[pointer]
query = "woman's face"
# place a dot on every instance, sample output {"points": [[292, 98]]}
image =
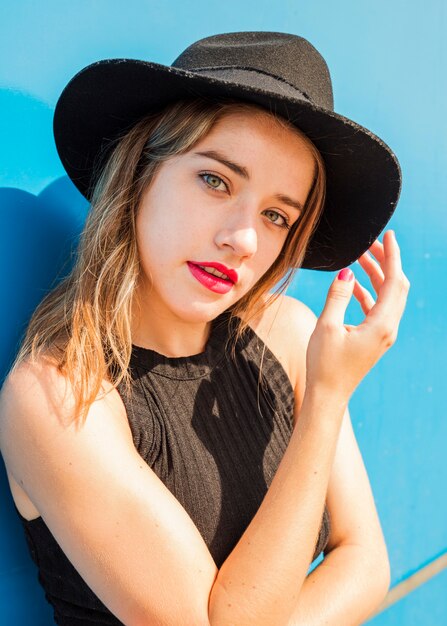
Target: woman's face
{"points": [[199, 210]]}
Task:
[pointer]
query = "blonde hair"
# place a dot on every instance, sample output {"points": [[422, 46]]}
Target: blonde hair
{"points": [[84, 324]]}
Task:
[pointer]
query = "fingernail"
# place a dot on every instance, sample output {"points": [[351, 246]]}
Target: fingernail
{"points": [[345, 274]]}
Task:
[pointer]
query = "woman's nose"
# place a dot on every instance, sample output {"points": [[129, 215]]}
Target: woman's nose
{"points": [[240, 235]]}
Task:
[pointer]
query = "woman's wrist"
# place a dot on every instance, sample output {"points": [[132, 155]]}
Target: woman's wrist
{"points": [[324, 401]]}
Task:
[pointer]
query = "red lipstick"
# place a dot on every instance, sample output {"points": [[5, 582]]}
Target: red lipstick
{"points": [[212, 282], [232, 274]]}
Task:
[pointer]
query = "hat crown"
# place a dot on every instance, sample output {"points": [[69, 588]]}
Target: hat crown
{"points": [[286, 57]]}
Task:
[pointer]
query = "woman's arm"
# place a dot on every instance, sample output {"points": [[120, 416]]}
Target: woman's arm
{"points": [[354, 577], [260, 581], [122, 529], [343, 590]]}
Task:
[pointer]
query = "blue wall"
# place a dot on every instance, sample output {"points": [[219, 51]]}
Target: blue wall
{"points": [[387, 61]]}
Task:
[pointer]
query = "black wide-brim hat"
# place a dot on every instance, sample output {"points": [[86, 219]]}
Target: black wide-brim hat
{"points": [[283, 73]]}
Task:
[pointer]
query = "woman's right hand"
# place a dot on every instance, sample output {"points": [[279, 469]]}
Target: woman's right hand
{"points": [[340, 355]]}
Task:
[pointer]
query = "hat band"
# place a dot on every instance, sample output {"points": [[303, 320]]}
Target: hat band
{"points": [[253, 78]]}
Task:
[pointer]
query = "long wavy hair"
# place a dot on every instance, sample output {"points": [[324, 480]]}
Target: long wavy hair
{"points": [[83, 325]]}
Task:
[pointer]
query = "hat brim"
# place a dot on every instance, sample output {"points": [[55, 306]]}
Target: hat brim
{"points": [[363, 174]]}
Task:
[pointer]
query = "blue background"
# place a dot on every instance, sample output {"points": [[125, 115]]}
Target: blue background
{"points": [[387, 61]]}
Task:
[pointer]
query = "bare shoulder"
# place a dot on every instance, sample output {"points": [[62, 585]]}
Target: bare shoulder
{"points": [[285, 326], [36, 407], [40, 389]]}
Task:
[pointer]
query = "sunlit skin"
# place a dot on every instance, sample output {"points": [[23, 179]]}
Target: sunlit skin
{"points": [[188, 214]]}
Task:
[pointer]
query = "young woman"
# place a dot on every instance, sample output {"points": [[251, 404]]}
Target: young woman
{"points": [[176, 434]]}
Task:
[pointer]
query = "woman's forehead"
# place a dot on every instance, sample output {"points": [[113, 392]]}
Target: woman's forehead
{"points": [[246, 133], [251, 118]]}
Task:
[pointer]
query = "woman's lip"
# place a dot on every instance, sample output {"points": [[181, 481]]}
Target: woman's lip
{"points": [[220, 267], [214, 283]]}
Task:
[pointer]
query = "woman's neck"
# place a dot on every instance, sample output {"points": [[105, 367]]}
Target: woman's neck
{"points": [[167, 333]]}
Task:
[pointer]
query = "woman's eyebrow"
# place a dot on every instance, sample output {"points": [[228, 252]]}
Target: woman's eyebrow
{"points": [[218, 156], [243, 172]]}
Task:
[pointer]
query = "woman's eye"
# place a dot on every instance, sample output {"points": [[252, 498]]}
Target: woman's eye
{"points": [[285, 221], [214, 181]]}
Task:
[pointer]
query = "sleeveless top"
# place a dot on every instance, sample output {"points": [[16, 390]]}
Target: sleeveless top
{"points": [[214, 431]]}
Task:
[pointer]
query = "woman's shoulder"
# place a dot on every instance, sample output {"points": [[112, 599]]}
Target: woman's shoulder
{"points": [[36, 412], [285, 326], [41, 380]]}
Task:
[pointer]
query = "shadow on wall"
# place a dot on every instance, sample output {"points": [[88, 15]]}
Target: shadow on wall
{"points": [[39, 239]]}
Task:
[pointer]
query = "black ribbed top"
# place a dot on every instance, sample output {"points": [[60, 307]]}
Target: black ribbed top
{"points": [[214, 431]]}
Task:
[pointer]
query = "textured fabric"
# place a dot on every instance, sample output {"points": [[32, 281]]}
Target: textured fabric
{"points": [[214, 431]]}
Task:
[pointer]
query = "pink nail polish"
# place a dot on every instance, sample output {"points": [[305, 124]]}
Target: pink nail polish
{"points": [[345, 274]]}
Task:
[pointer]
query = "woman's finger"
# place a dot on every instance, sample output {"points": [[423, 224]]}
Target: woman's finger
{"points": [[376, 249], [364, 297], [392, 264], [391, 299], [373, 270], [337, 299]]}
